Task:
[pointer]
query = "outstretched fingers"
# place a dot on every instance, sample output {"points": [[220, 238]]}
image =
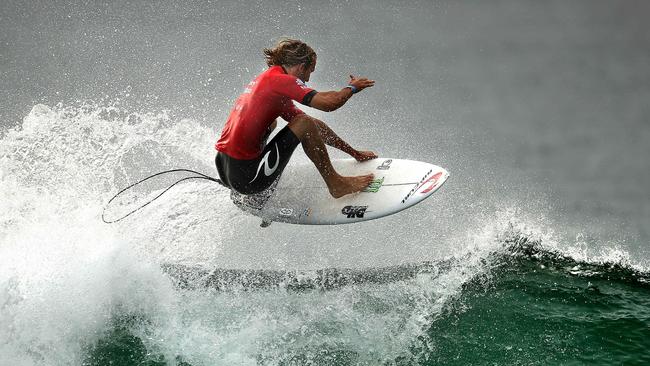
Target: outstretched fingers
{"points": [[364, 155], [361, 83]]}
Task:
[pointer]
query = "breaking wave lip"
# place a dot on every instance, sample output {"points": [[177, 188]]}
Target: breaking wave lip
{"points": [[190, 277], [609, 266], [516, 249]]}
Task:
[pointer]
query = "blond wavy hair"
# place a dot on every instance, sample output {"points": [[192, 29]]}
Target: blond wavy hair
{"points": [[290, 52]]}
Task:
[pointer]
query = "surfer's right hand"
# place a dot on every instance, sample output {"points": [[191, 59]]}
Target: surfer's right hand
{"points": [[361, 83]]}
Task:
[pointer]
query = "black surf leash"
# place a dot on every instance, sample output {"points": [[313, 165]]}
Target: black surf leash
{"points": [[197, 176]]}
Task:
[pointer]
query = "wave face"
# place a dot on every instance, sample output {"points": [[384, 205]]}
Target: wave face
{"points": [[539, 306], [181, 283], [527, 305]]}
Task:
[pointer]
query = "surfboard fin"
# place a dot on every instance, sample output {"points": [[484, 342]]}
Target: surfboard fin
{"points": [[266, 223]]}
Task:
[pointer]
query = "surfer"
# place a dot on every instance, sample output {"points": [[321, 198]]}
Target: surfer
{"points": [[247, 163]]}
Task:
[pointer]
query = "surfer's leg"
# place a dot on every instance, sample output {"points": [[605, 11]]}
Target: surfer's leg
{"points": [[332, 139], [257, 175], [221, 162], [307, 131], [273, 159]]}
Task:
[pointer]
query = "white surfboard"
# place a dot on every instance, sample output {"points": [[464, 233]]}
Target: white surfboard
{"points": [[301, 196]]}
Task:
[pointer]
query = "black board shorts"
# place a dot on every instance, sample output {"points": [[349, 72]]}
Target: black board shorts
{"points": [[256, 175]]}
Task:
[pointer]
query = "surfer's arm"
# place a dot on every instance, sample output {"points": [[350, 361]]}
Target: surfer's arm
{"points": [[333, 100], [330, 100]]}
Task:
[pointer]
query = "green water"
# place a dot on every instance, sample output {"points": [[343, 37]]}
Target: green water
{"points": [[530, 307], [530, 314]]}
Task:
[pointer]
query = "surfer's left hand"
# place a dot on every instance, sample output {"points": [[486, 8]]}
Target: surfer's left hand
{"points": [[364, 155]]}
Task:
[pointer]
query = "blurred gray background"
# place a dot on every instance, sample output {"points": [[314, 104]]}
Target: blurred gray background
{"points": [[540, 103]]}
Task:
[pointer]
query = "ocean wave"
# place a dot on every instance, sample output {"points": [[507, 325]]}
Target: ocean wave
{"points": [[515, 250]]}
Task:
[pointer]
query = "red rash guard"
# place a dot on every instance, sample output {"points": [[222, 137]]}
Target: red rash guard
{"points": [[266, 98]]}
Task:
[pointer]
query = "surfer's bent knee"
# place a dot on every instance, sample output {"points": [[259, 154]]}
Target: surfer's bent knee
{"points": [[301, 124]]}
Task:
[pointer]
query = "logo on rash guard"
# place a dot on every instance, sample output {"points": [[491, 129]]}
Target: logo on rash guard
{"points": [[301, 84], [265, 161]]}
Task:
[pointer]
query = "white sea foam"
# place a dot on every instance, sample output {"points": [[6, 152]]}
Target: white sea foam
{"points": [[63, 271]]}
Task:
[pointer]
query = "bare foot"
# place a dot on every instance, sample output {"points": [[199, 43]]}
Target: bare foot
{"points": [[346, 185], [364, 155]]}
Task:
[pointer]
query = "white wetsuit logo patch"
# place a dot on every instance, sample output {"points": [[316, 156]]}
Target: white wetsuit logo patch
{"points": [[265, 161]]}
